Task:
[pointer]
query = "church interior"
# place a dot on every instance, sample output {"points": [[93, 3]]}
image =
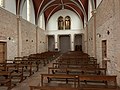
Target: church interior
{"points": [[59, 44]]}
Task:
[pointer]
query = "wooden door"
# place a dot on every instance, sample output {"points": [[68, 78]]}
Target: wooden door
{"points": [[2, 51], [51, 43], [104, 53], [64, 41], [78, 42]]}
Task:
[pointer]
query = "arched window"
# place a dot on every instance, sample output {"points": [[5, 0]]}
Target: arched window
{"points": [[67, 22], [2, 3], [60, 23]]}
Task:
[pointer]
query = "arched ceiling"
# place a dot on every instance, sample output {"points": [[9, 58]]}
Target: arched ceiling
{"points": [[49, 7]]}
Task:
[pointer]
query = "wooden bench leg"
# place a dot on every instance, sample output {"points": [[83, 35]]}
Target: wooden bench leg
{"points": [[41, 80], [66, 81], [49, 79], [9, 85]]}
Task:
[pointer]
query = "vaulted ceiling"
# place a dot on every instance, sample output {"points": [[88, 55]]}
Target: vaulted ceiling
{"points": [[49, 7]]}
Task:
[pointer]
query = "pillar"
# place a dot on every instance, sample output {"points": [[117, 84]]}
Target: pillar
{"points": [[56, 42], [94, 33], [19, 52], [72, 38], [37, 39]]}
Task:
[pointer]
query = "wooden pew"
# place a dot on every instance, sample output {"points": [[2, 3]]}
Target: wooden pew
{"points": [[58, 76], [5, 79], [51, 88], [17, 71], [2, 67], [44, 57], [27, 66], [75, 65], [35, 62], [101, 78], [76, 61], [78, 70], [78, 78], [67, 88]]}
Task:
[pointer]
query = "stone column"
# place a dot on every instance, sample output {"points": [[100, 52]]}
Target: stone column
{"points": [[56, 42], [19, 47], [94, 33], [72, 39], [87, 37], [37, 39]]}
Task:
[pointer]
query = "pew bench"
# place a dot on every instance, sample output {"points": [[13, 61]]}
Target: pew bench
{"points": [[51, 88], [77, 70], [27, 67], [59, 76], [66, 88], [17, 71], [63, 64], [98, 78], [5, 79]]}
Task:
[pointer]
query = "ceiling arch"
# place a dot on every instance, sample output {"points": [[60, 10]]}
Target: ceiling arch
{"points": [[49, 7]]}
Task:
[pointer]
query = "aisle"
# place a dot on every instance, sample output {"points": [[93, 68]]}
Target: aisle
{"points": [[32, 80]]}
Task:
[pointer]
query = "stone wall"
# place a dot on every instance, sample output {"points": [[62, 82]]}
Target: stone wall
{"points": [[90, 37], [116, 31], [104, 24], [107, 28], [42, 40], [21, 38], [8, 32], [28, 34]]}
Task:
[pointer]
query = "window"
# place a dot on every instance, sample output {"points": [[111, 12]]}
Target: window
{"points": [[67, 22], [60, 23], [64, 23], [28, 10], [2, 3]]}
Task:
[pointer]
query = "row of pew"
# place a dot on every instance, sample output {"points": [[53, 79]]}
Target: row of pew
{"points": [[17, 70], [76, 71]]}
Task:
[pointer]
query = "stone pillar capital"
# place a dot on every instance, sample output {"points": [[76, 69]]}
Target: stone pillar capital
{"points": [[93, 12]]}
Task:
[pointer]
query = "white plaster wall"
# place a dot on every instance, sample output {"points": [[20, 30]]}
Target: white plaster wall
{"points": [[41, 21], [23, 11], [76, 22], [89, 9], [32, 14], [76, 26], [10, 5]]}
